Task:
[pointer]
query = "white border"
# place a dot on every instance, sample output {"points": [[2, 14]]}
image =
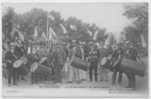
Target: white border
{"points": [[71, 1]]}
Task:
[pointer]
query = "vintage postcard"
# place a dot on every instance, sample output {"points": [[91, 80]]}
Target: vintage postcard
{"points": [[90, 49]]}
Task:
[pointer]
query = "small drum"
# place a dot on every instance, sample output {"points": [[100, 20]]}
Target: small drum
{"points": [[20, 62]]}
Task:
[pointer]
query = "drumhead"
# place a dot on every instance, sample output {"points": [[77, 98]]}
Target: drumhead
{"points": [[17, 63], [34, 66], [103, 61]]}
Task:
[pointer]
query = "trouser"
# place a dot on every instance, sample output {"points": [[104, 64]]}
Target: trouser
{"points": [[32, 78], [12, 75], [103, 74], [76, 75], [21, 72], [57, 74], [36, 77], [114, 76], [132, 80], [93, 71]]}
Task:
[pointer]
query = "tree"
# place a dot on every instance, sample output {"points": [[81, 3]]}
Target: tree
{"points": [[101, 36], [131, 34], [33, 18], [77, 29], [139, 14], [8, 20], [54, 21]]}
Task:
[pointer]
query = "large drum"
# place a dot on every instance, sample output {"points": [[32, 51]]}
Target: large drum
{"points": [[39, 68], [127, 66], [106, 63], [133, 66], [79, 63]]}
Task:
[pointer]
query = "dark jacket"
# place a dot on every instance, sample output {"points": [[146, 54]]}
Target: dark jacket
{"points": [[117, 57], [93, 56], [10, 59], [19, 52], [132, 53]]}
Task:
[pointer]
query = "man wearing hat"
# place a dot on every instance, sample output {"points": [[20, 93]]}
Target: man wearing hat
{"points": [[76, 52], [19, 52], [116, 59], [93, 59], [10, 59], [132, 54], [103, 50]]}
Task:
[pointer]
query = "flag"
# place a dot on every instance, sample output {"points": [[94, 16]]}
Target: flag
{"points": [[21, 36], [51, 34], [95, 35], [29, 50], [51, 17], [44, 36], [36, 31], [63, 28], [73, 27], [89, 32], [143, 41]]}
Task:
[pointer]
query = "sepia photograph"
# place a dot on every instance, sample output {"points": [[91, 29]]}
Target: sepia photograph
{"points": [[75, 50]]}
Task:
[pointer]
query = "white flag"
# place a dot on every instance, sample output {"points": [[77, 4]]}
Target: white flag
{"points": [[51, 34], [44, 36], [89, 32], [51, 17], [95, 35], [73, 27], [63, 28], [20, 35], [36, 32], [29, 50], [143, 41]]}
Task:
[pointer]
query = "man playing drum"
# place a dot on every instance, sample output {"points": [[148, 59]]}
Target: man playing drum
{"points": [[10, 59], [116, 63], [93, 59]]}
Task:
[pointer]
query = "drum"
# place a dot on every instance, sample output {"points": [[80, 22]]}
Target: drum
{"points": [[79, 63], [127, 66], [18, 63], [106, 63], [131, 66], [38, 68]]}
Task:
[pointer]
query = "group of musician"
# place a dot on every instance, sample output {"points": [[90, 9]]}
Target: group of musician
{"points": [[94, 53], [89, 51]]}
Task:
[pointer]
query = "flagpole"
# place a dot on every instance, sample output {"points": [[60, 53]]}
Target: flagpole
{"points": [[47, 25]]}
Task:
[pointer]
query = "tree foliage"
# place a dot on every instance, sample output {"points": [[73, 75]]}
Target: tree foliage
{"points": [[44, 19], [139, 14]]}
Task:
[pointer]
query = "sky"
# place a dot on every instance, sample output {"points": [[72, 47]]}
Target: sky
{"points": [[104, 15]]}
